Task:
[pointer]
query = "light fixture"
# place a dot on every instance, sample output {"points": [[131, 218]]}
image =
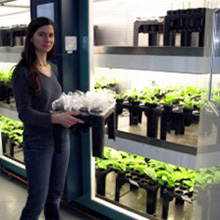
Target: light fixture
{"points": [[6, 1]]}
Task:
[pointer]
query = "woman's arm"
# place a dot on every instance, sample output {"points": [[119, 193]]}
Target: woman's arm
{"points": [[66, 119]]}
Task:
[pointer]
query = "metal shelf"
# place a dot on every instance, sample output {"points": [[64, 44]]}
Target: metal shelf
{"points": [[10, 54], [192, 60], [157, 51], [180, 155]]}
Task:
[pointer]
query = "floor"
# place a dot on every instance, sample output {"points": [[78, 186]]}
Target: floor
{"points": [[13, 195]]}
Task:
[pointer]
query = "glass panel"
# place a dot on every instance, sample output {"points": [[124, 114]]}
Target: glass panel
{"points": [[151, 55], [215, 67], [46, 10]]}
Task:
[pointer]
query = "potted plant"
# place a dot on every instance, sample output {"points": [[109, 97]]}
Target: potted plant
{"points": [[188, 103], [133, 96], [216, 100], [104, 83], [170, 99], [102, 169], [120, 97], [12, 133], [6, 71], [151, 186], [151, 102]]}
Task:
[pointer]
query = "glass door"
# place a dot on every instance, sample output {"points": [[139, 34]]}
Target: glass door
{"points": [[155, 57]]}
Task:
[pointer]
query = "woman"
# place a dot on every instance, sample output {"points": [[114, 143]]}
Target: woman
{"points": [[46, 140]]}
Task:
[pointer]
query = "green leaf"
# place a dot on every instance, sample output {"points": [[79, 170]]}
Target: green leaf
{"points": [[151, 173]]}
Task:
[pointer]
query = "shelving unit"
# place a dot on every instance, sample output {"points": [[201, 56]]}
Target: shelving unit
{"points": [[171, 59], [180, 155], [139, 58], [182, 60], [9, 54], [12, 55]]}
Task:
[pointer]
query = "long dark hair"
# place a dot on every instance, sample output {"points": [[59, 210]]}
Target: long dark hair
{"points": [[28, 56]]}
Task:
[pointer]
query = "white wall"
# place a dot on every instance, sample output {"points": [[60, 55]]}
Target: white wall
{"points": [[10, 20]]}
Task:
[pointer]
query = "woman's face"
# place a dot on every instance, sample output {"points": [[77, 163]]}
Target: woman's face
{"points": [[43, 39]]}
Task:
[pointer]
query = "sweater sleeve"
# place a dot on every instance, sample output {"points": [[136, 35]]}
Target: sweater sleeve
{"points": [[24, 94]]}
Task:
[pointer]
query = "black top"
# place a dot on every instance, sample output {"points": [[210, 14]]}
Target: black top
{"points": [[34, 110]]}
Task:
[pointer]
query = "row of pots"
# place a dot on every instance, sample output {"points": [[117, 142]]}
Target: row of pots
{"points": [[171, 118], [5, 92], [7, 141], [136, 181]]}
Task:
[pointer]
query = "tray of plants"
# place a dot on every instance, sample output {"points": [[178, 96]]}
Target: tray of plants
{"points": [[97, 109]]}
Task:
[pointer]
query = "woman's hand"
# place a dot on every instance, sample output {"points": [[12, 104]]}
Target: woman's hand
{"points": [[66, 119]]}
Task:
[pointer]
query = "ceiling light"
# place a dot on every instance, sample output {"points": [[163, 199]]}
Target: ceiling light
{"points": [[6, 1]]}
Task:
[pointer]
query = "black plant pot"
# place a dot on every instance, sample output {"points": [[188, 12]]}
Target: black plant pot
{"points": [[133, 101], [5, 138], [178, 122], [97, 122], [165, 123], [120, 181], [135, 115], [152, 188], [168, 108], [133, 178], [168, 195], [187, 116], [151, 105], [152, 115], [161, 190], [101, 180], [3, 91], [14, 144], [9, 93], [119, 101], [178, 195], [78, 128], [118, 111]]}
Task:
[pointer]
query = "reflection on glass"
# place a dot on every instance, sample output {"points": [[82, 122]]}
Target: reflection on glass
{"points": [[158, 106], [207, 192], [215, 67]]}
